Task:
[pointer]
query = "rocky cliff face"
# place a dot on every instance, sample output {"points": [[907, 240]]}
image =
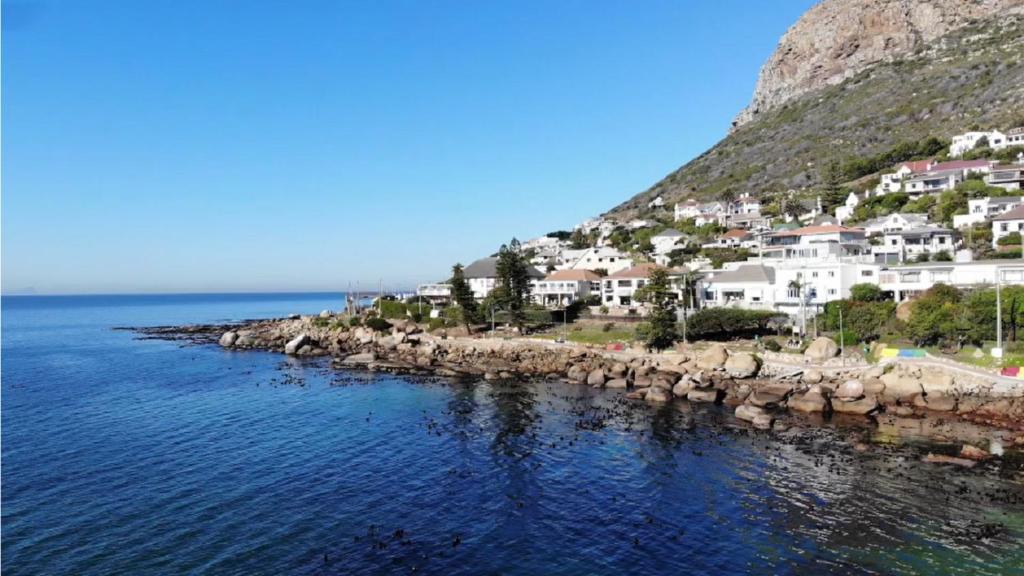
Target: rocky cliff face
{"points": [[837, 39]]}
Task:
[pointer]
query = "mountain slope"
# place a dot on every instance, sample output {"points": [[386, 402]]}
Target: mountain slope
{"points": [[973, 76]]}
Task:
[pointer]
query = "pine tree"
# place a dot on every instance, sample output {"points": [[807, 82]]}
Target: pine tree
{"points": [[661, 321], [514, 281], [463, 297]]}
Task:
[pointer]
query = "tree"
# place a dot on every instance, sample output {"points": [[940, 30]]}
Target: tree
{"points": [[462, 294], [661, 321], [934, 316], [514, 280], [866, 292]]}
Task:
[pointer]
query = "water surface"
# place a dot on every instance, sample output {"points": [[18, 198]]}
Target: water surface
{"points": [[146, 457]]}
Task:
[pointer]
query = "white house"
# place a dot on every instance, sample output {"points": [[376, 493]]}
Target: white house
{"points": [[619, 289], [749, 286], [982, 209], [1014, 137], [1007, 176], [846, 210], [815, 242], [969, 140], [602, 258], [745, 204], [1007, 223], [910, 280], [707, 213], [564, 287], [932, 182], [482, 276], [903, 245], [666, 240], [733, 239], [656, 203], [894, 222], [436, 292]]}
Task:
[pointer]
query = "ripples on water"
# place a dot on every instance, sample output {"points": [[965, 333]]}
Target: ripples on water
{"points": [[145, 457]]}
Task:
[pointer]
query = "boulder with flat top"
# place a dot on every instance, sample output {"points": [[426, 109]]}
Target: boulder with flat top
{"points": [[742, 365], [821, 349]]}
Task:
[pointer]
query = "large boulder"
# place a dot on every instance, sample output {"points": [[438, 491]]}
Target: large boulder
{"points": [[742, 365], [296, 343], [618, 370], [900, 387], [936, 381], [577, 373], [811, 401], [713, 358], [706, 395], [596, 377], [357, 359], [821, 349], [770, 395], [619, 383], [812, 376], [682, 388], [658, 395], [228, 339], [850, 390], [864, 406], [748, 412]]}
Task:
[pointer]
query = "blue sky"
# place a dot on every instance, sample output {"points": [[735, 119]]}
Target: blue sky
{"points": [[166, 146]]}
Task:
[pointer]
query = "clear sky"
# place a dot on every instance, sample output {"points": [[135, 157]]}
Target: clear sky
{"points": [[167, 146]]}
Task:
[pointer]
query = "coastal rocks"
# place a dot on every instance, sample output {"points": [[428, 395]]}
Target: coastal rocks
{"points": [[295, 344], [936, 402], [943, 459], [936, 381], [618, 370], [357, 359], [850, 390], [658, 395], [770, 395], [682, 388], [748, 412], [713, 358], [974, 453], [596, 377], [577, 373], [861, 407], [811, 377], [742, 365], [763, 421], [821, 349], [228, 339], [616, 383], [900, 387], [812, 401], [712, 395]]}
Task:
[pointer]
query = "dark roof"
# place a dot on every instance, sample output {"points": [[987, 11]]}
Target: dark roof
{"points": [[488, 268]]}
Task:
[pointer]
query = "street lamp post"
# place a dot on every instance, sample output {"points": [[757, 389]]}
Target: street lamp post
{"points": [[997, 352]]}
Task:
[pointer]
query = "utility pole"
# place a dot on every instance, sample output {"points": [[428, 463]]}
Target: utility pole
{"points": [[842, 340], [997, 352]]}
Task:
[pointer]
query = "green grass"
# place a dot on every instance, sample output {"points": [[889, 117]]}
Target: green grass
{"points": [[592, 334], [966, 356]]}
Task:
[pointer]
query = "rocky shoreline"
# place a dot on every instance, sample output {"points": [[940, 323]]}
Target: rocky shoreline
{"points": [[760, 387]]}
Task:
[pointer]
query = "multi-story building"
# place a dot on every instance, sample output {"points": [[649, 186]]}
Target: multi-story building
{"points": [[1006, 224], [619, 289], [982, 209], [909, 280], [812, 242], [602, 258], [1007, 176], [903, 245], [482, 276], [564, 287]]}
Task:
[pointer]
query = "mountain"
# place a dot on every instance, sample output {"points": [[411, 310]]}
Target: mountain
{"points": [[853, 78]]}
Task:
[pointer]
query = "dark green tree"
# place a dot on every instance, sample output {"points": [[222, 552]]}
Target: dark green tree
{"points": [[661, 321], [463, 297], [514, 280]]}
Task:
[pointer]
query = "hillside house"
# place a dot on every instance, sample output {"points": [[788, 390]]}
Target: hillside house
{"points": [[894, 222], [620, 288], [1006, 224], [982, 209], [910, 280], [844, 212], [601, 258], [745, 204], [482, 276], [814, 242], [1007, 176], [564, 287], [667, 240], [908, 244]]}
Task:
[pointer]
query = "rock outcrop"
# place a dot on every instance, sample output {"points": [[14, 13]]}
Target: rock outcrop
{"points": [[837, 39]]}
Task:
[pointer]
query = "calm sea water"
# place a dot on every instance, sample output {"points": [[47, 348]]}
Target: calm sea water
{"points": [[144, 457]]}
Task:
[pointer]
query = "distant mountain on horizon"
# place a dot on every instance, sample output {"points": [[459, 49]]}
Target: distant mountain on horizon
{"points": [[853, 78]]}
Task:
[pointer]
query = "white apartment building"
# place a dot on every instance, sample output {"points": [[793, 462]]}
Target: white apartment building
{"points": [[619, 289], [982, 209], [932, 182], [745, 204], [812, 242], [436, 292], [904, 245], [1007, 176], [666, 241], [562, 288], [602, 258], [894, 222], [482, 276], [1007, 223], [967, 141], [910, 280]]}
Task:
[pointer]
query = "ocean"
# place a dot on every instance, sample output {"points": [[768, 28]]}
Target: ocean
{"points": [[123, 455]]}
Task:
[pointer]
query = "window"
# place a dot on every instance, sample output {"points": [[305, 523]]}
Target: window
{"points": [[831, 291], [893, 242], [831, 273], [1003, 227], [624, 283], [793, 293], [814, 274], [942, 239], [608, 298], [867, 273], [640, 283]]}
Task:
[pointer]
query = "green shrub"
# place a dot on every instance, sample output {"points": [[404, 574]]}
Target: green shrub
{"points": [[771, 345], [435, 324], [943, 256], [355, 321], [321, 322], [849, 338], [1011, 239], [608, 327], [392, 309], [718, 323], [378, 324]]}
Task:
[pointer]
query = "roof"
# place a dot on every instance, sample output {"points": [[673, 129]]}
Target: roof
{"points": [[746, 273], [1003, 199], [916, 165], [736, 233], [1015, 214], [933, 174], [826, 229], [638, 271], [573, 276], [959, 165], [488, 268], [922, 231]]}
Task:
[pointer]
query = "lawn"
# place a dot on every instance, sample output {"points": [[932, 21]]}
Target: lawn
{"points": [[966, 356], [592, 334]]}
